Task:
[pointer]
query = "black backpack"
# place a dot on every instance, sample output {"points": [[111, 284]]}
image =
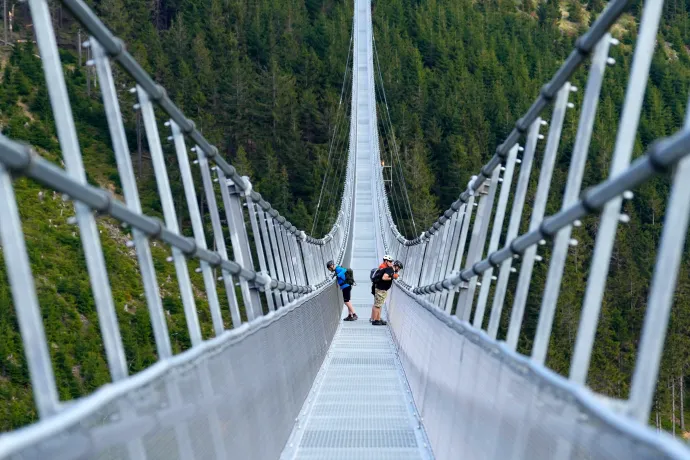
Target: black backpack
{"points": [[350, 277], [375, 275]]}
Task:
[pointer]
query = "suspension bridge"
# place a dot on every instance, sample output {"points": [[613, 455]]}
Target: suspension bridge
{"points": [[294, 381]]}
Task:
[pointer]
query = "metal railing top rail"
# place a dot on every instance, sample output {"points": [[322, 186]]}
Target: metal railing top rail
{"points": [[115, 48], [660, 158], [22, 159], [583, 48]]}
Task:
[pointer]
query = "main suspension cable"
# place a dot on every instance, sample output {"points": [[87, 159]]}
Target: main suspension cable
{"points": [[335, 134], [395, 146]]}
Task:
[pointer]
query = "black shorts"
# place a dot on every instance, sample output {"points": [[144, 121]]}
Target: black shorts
{"points": [[346, 294]]}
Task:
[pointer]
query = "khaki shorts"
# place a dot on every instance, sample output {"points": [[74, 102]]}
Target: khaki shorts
{"points": [[379, 297]]}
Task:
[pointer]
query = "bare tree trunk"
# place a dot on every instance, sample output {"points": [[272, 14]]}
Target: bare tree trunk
{"points": [[4, 19], [673, 405], [214, 250], [139, 142], [95, 80], [656, 407], [682, 403], [88, 72], [78, 45], [202, 196], [157, 14], [275, 91], [620, 366], [180, 216]]}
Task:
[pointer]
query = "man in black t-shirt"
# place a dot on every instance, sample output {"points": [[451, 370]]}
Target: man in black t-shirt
{"points": [[381, 290]]}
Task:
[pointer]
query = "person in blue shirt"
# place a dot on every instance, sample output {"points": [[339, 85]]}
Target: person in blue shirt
{"points": [[345, 287]]}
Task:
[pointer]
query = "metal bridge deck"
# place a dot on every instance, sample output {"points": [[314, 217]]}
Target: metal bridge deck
{"points": [[360, 406]]}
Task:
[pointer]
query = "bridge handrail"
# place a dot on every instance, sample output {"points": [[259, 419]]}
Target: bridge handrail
{"points": [[583, 47], [660, 158], [23, 160]]}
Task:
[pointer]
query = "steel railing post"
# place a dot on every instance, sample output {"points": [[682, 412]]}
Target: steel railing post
{"points": [[25, 300], [279, 257], [284, 257], [460, 250], [513, 225], [496, 231], [458, 216], [197, 227], [487, 193], [231, 192], [559, 252], [131, 194], [661, 293], [538, 209], [218, 235], [88, 231], [169, 213], [251, 210], [608, 222], [269, 251]]}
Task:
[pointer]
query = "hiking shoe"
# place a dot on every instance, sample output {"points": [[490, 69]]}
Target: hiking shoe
{"points": [[355, 317], [349, 318], [383, 322], [378, 322]]}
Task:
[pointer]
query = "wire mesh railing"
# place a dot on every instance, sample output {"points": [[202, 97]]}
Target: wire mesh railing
{"points": [[274, 263], [481, 398], [190, 406]]}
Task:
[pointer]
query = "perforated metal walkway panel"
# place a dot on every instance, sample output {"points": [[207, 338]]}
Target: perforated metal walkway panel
{"points": [[360, 406]]}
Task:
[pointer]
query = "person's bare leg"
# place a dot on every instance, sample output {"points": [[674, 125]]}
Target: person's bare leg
{"points": [[378, 310], [350, 308]]}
